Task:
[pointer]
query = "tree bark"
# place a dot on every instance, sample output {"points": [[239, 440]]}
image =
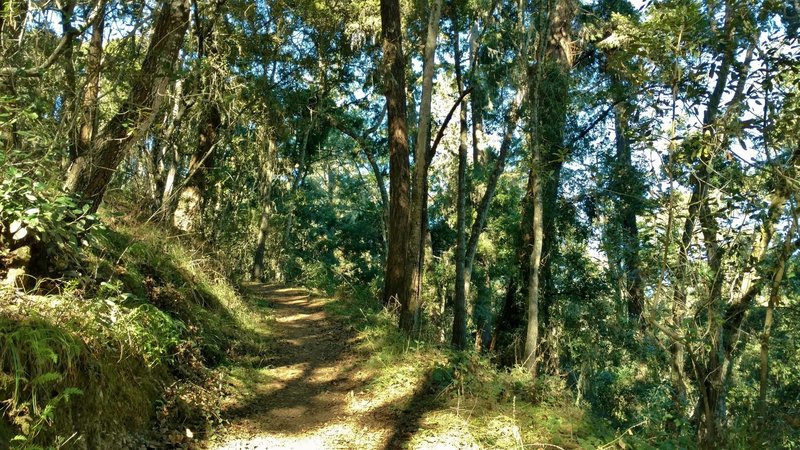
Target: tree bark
{"points": [[259, 266], [460, 310], [530, 360], [550, 74], [87, 123], [68, 106], [625, 177], [419, 192], [89, 175], [393, 77], [193, 195], [537, 235]]}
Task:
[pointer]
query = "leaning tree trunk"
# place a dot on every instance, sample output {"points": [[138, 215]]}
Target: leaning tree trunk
{"points": [[88, 176]]}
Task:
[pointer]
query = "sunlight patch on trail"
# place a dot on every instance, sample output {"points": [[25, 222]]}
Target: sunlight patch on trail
{"points": [[335, 436]]}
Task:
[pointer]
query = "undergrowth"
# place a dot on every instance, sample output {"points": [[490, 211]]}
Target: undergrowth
{"points": [[122, 344], [465, 400]]}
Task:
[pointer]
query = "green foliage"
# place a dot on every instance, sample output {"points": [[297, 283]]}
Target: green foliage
{"points": [[34, 359], [298, 88], [33, 213], [145, 311]]}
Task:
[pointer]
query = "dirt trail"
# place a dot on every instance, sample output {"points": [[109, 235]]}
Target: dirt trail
{"points": [[309, 392]]}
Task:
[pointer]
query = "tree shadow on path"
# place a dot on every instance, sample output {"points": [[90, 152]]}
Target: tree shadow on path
{"points": [[304, 383], [409, 418]]}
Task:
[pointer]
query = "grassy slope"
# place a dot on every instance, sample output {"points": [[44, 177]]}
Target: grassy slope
{"points": [[125, 345]]}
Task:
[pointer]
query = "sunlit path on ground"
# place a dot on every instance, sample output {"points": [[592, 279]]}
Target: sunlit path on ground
{"points": [[310, 393]]}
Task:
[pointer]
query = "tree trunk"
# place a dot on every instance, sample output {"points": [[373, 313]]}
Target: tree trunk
{"points": [[476, 104], [530, 356], [628, 199], [68, 106], [87, 123], [170, 158], [393, 76], [266, 211], [537, 234], [460, 308], [89, 175], [550, 74], [419, 192], [192, 197]]}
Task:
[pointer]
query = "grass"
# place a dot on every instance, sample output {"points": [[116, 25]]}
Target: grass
{"points": [[125, 345], [447, 399]]}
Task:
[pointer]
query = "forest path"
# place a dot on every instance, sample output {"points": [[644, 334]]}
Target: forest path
{"points": [[308, 392]]}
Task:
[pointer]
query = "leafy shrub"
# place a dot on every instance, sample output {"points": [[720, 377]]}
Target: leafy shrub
{"points": [[38, 215]]}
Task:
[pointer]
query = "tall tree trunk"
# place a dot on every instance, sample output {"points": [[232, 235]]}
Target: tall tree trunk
{"points": [[460, 310], [555, 83], [393, 78], [476, 104], [419, 192], [537, 235], [625, 184], [89, 175], [535, 192], [68, 106], [550, 75]]}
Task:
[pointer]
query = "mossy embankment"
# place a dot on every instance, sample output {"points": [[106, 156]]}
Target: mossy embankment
{"points": [[118, 351]]}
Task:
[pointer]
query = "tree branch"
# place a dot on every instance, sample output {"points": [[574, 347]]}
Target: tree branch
{"points": [[63, 44], [440, 134]]}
